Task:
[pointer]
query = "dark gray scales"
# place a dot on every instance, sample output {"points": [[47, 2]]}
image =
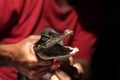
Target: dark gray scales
{"points": [[50, 44]]}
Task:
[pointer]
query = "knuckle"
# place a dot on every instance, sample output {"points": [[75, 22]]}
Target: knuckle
{"points": [[31, 75], [30, 66]]}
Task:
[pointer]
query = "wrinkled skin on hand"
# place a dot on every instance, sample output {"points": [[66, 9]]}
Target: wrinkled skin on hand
{"points": [[25, 60]]}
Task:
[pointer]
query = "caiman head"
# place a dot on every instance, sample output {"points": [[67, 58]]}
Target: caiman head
{"points": [[51, 46]]}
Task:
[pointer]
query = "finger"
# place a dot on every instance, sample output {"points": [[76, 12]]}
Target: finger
{"points": [[45, 62], [71, 60], [37, 65], [34, 74], [78, 67], [62, 75], [54, 77], [38, 73]]}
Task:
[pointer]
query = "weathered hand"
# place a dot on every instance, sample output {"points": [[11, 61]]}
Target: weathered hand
{"points": [[25, 60]]}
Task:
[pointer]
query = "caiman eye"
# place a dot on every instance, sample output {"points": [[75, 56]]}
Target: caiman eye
{"points": [[53, 35], [44, 38]]}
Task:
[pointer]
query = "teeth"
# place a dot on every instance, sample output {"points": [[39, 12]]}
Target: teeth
{"points": [[74, 50]]}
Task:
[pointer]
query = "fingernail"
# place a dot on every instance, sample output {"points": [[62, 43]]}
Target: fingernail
{"points": [[54, 77], [46, 76], [79, 67]]}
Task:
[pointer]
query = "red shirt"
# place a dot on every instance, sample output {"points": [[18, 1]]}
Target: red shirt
{"points": [[21, 18]]}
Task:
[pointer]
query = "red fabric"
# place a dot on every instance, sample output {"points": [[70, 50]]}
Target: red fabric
{"points": [[21, 18], [7, 73]]}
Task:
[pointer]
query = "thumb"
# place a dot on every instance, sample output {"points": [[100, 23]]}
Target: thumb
{"points": [[34, 38]]}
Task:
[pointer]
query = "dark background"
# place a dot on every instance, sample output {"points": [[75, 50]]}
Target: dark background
{"points": [[105, 60]]}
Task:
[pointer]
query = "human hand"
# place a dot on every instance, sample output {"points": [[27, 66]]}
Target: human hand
{"points": [[25, 60], [74, 71]]}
